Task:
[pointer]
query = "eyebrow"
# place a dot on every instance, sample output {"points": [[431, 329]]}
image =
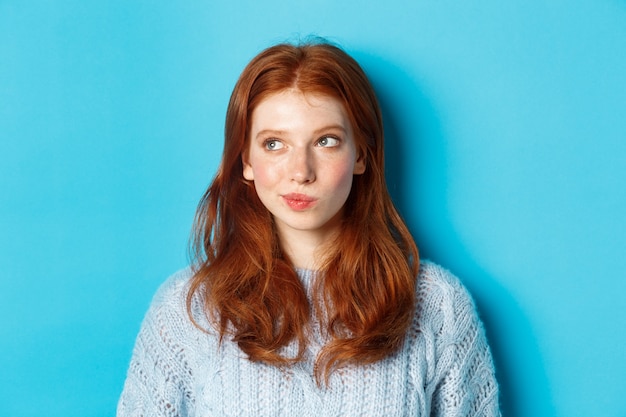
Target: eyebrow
{"points": [[266, 132]]}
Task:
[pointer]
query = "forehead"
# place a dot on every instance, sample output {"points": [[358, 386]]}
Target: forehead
{"points": [[287, 104]]}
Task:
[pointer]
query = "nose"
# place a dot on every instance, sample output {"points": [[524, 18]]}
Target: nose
{"points": [[302, 166]]}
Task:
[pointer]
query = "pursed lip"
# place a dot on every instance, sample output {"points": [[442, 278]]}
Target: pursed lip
{"points": [[298, 197], [299, 201]]}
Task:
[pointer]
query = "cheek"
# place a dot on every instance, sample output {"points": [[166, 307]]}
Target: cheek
{"points": [[265, 176], [342, 176]]}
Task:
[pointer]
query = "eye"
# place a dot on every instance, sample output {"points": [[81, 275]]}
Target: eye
{"points": [[273, 144], [328, 142]]}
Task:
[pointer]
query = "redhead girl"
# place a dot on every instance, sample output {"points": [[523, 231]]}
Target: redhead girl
{"points": [[307, 296]]}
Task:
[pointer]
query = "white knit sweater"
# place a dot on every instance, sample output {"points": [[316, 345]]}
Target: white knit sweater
{"points": [[444, 368]]}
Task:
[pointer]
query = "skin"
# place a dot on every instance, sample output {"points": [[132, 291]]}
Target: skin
{"points": [[302, 158]]}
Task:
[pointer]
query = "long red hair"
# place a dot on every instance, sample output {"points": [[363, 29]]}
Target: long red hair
{"points": [[366, 294]]}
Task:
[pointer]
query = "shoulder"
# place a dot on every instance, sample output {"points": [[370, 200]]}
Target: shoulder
{"points": [[168, 308], [167, 350], [173, 289], [171, 297], [460, 367], [443, 303], [436, 281], [169, 327]]}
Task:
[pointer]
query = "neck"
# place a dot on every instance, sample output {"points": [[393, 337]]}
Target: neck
{"points": [[305, 249]]}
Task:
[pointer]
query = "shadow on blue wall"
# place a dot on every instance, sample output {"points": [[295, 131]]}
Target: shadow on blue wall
{"points": [[419, 179]]}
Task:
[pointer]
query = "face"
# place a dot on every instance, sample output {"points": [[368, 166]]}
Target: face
{"points": [[302, 158]]}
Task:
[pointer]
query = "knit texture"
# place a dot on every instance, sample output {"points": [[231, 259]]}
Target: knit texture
{"points": [[443, 369]]}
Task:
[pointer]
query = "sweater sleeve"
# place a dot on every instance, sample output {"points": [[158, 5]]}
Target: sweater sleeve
{"points": [[465, 384], [159, 377]]}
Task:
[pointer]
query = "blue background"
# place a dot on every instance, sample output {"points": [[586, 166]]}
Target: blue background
{"points": [[506, 128]]}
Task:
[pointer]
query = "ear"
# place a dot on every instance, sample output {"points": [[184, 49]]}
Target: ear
{"points": [[248, 173], [359, 165]]}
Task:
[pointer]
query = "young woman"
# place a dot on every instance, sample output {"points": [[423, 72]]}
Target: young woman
{"points": [[307, 295]]}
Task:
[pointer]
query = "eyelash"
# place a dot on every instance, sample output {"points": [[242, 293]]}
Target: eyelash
{"points": [[268, 142], [331, 137]]}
